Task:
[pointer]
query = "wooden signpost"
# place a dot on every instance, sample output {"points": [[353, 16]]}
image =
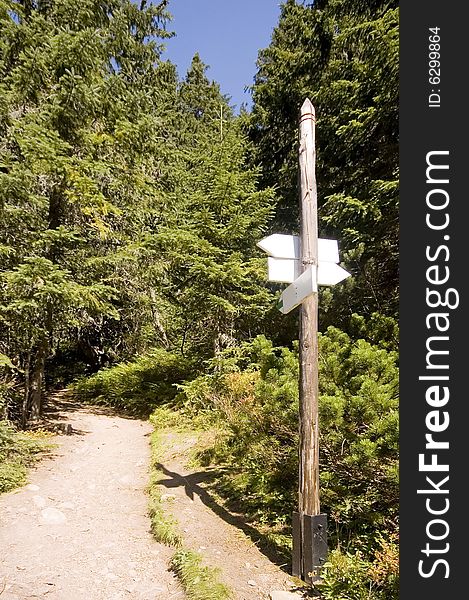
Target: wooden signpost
{"points": [[308, 490], [306, 262]]}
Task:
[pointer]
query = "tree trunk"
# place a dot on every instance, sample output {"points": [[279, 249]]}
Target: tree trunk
{"points": [[27, 386], [156, 318], [37, 380]]}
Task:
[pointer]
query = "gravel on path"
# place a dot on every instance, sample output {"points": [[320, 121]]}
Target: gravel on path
{"points": [[79, 530]]}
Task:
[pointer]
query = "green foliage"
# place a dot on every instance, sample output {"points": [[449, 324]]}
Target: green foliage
{"points": [[138, 386], [9, 392], [359, 440], [199, 582], [211, 280], [352, 576], [253, 396], [129, 213], [17, 452], [6, 362], [379, 330], [80, 122]]}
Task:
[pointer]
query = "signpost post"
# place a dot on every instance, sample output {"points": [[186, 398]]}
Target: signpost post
{"points": [[305, 522], [306, 262]]}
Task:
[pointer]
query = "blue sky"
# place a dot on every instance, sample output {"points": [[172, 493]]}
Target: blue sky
{"points": [[227, 34]]}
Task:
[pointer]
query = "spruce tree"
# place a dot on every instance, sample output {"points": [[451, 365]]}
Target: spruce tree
{"points": [[344, 56], [213, 280], [81, 85]]}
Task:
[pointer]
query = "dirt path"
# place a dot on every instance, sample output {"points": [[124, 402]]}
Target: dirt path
{"points": [[210, 529], [79, 530]]}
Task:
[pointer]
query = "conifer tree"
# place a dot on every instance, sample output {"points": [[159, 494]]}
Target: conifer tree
{"points": [[129, 213], [215, 285], [80, 88], [344, 56]]}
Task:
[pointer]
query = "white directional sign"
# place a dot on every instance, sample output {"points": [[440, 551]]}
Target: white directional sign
{"points": [[284, 266], [279, 245], [284, 270], [298, 291], [330, 273], [305, 285]]}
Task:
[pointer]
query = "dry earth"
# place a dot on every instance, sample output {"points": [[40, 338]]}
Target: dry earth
{"points": [[79, 530], [208, 527]]}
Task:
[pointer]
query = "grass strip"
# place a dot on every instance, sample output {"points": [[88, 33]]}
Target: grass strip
{"points": [[198, 581], [163, 527]]}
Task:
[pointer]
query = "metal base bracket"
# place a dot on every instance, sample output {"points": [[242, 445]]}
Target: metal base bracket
{"points": [[309, 546]]}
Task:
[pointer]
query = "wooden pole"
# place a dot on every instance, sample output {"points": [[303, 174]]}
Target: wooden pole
{"points": [[309, 526], [309, 427]]}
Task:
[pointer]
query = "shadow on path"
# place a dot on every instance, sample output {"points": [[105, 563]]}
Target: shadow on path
{"points": [[57, 408], [191, 486]]}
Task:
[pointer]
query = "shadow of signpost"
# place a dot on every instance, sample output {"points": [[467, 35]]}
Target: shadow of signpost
{"points": [[191, 484]]}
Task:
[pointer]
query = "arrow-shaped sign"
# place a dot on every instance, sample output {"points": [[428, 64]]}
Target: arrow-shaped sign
{"points": [[305, 285], [279, 245], [330, 273], [284, 266], [284, 270], [298, 291]]}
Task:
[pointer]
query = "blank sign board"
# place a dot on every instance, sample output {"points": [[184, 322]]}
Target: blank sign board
{"points": [[298, 291], [330, 273], [279, 245], [285, 270], [284, 266], [328, 251]]}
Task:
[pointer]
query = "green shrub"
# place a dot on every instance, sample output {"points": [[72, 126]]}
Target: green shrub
{"points": [[380, 330], [199, 582], [136, 387], [254, 395], [353, 576], [250, 396], [359, 433], [10, 391]]}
